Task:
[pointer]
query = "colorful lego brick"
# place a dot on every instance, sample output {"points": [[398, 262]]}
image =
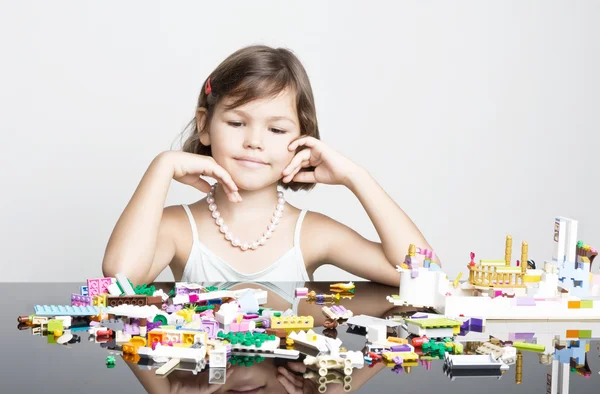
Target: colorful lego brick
{"points": [[55, 324], [83, 290], [292, 322], [532, 347], [572, 334], [574, 304], [66, 310], [98, 286], [79, 300], [585, 334], [157, 336], [99, 300], [587, 304], [435, 322], [138, 300], [525, 301]]}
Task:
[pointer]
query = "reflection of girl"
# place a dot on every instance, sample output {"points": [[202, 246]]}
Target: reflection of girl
{"points": [[276, 375]]}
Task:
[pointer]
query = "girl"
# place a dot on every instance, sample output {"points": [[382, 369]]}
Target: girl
{"points": [[255, 130]]}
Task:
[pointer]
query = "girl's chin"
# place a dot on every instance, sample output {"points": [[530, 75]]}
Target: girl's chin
{"points": [[249, 184]]}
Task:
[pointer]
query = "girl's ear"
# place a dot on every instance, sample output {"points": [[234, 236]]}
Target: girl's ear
{"points": [[201, 116]]}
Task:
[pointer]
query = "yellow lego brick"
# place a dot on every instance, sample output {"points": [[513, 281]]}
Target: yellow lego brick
{"points": [[532, 278], [587, 304], [293, 322], [406, 356], [435, 322]]}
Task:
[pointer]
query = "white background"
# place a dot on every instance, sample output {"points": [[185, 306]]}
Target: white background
{"points": [[479, 118]]}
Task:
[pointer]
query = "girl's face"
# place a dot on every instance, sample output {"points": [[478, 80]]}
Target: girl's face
{"points": [[251, 141]]}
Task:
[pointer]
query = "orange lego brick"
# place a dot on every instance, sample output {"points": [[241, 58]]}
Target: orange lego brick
{"points": [[574, 304], [572, 334]]}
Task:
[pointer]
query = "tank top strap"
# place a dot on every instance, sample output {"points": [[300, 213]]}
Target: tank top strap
{"points": [[298, 228], [192, 221]]}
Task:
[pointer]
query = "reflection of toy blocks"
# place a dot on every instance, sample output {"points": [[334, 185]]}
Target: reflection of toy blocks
{"points": [[137, 300], [292, 322], [217, 358], [216, 375], [98, 286]]}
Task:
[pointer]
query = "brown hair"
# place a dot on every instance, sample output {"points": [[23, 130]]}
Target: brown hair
{"points": [[251, 73]]}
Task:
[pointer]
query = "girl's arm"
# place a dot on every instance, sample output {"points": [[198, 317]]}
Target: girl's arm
{"points": [[142, 243], [328, 241]]}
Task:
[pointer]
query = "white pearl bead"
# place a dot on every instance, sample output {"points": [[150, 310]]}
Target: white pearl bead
{"points": [[210, 199], [254, 245], [245, 246], [219, 221], [216, 214], [212, 207], [262, 241], [228, 236], [280, 207], [268, 234], [280, 201], [279, 194], [278, 214], [235, 242], [223, 228], [275, 220], [272, 227]]}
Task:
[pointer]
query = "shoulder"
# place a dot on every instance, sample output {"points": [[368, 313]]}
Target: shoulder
{"points": [[319, 233]]}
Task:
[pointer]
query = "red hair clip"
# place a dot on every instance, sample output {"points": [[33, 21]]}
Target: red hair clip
{"points": [[207, 88]]}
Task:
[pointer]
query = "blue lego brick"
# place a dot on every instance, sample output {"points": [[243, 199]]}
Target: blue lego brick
{"points": [[66, 310], [84, 290]]}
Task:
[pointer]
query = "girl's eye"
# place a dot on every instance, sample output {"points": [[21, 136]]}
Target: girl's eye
{"points": [[234, 124], [278, 131]]}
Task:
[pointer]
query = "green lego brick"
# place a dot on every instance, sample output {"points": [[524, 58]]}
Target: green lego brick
{"points": [[585, 334], [51, 339], [587, 304], [55, 324]]}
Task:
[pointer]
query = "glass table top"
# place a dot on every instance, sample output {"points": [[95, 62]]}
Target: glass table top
{"points": [[307, 344]]}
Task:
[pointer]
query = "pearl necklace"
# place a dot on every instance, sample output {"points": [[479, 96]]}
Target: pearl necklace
{"points": [[210, 199]]}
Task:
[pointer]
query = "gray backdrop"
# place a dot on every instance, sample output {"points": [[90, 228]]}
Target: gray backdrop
{"points": [[478, 118]]}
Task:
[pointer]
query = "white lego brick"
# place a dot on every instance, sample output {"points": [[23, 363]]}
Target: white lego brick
{"points": [[114, 290], [66, 320], [217, 358], [125, 285], [217, 375], [376, 333], [248, 302], [168, 366], [180, 299]]}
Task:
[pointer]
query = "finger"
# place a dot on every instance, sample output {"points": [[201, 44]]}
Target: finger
{"points": [[226, 181], [304, 141], [297, 161], [305, 177], [296, 380], [289, 386], [291, 175], [297, 367], [201, 185]]}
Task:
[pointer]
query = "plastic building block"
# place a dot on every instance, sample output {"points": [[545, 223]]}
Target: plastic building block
{"points": [[83, 290], [217, 358], [587, 304], [529, 347], [292, 322], [585, 334], [66, 310], [98, 286], [124, 284], [574, 304], [216, 375]]}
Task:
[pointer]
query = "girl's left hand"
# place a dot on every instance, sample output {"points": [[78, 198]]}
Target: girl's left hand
{"points": [[330, 166]]}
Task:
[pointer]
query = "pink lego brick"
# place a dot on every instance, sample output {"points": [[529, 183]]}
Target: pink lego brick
{"points": [[98, 286], [194, 298]]}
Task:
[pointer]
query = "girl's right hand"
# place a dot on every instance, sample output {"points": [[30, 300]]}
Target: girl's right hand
{"points": [[188, 168]]}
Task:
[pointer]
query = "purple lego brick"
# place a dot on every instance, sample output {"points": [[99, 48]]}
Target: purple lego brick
{"points": [[414, 273], [525, 301], [152, 325], [80, 300], [211, 327], [476, 321], [400, 348], [521, 335], [397, 360]]}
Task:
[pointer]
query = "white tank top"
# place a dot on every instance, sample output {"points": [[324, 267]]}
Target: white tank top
{"points": [[204, 266]]}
